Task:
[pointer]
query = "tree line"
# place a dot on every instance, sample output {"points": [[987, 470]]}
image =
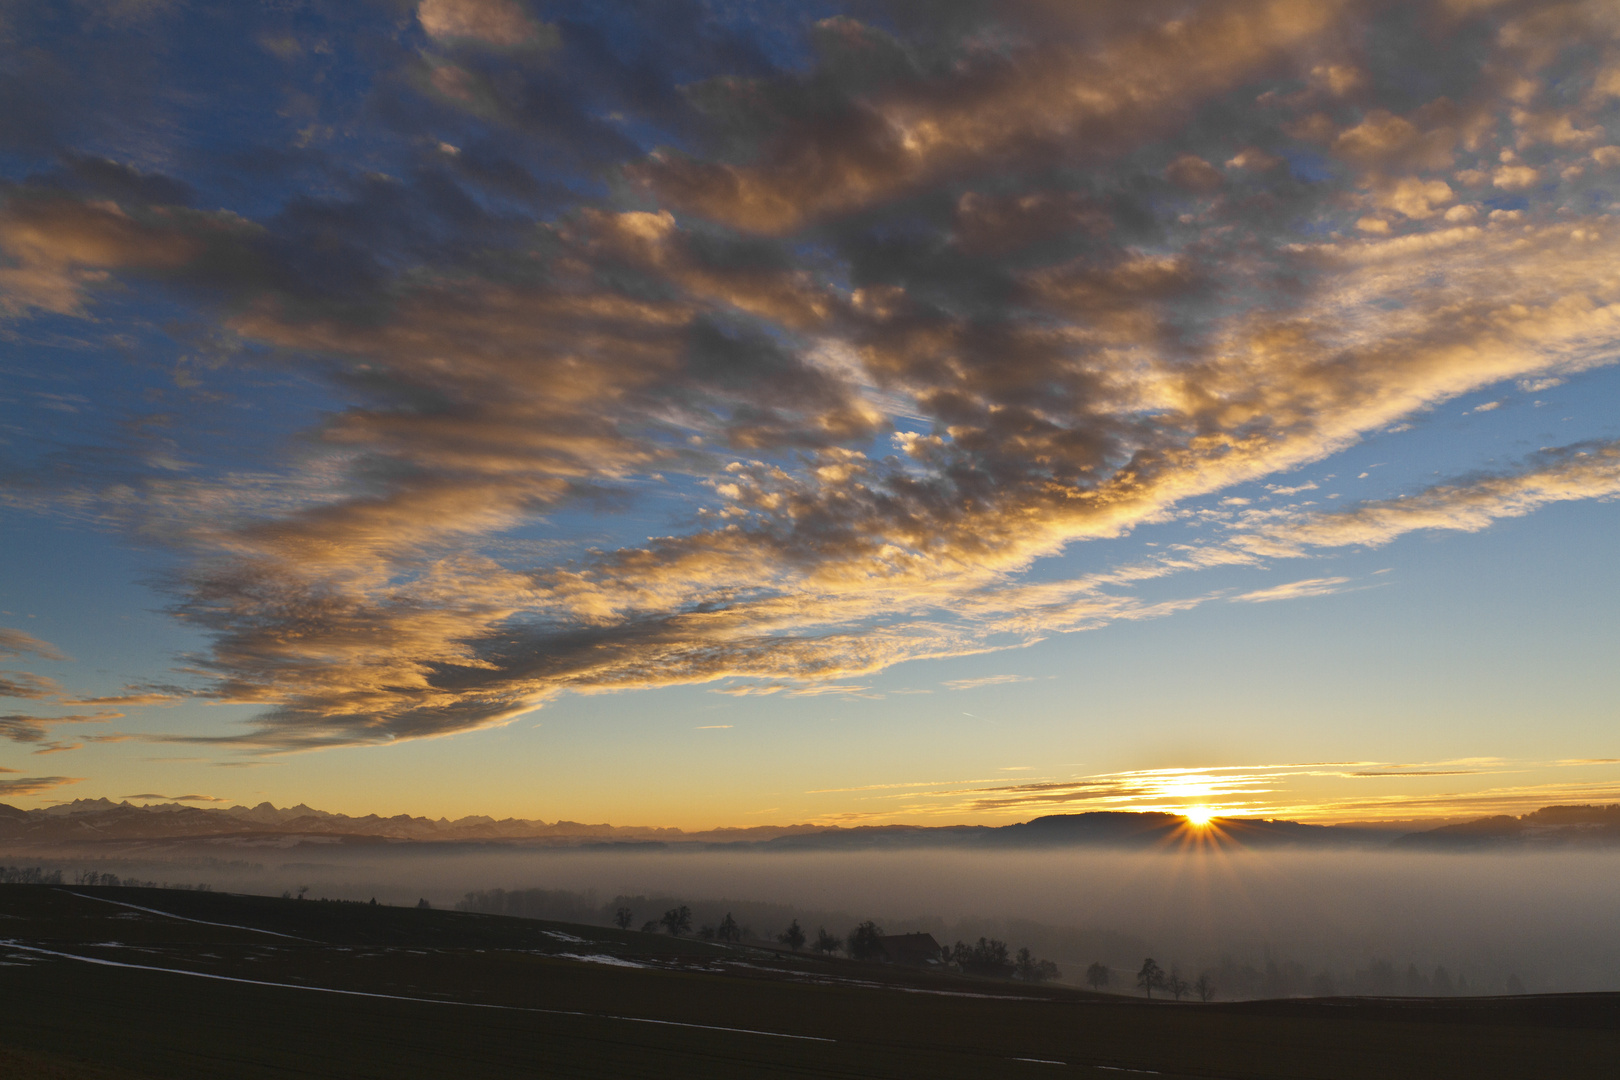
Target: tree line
{"points": [[38, 875], [989, 957], [1290, 979]]}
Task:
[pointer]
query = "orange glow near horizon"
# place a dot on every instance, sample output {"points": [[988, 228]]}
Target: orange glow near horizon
{"points": [[1198, 815]]}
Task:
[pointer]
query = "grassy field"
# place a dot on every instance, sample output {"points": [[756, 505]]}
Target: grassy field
{"points": [[205, 985]]}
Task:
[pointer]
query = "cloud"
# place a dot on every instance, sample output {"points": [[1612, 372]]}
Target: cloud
{"points": [[1101, 94], [987, 680], [1295, 590], [174, 798], [136, 697], [25, 728], [1309, 791], [16, 643], [494, 22], [1583, 471], [817, 392], [25, 684], [35, 785]]}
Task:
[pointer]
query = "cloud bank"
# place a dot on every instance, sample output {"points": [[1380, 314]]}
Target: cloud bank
{"points": [[825, 336]]}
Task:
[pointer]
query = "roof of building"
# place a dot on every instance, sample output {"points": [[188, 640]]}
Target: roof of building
{"points": [[910, 948]]}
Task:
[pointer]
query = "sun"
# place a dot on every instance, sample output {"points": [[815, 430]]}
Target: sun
{"points": [[1197, 815]]}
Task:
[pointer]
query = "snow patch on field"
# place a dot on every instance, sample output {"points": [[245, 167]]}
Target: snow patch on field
{"points": [[602, 958]]}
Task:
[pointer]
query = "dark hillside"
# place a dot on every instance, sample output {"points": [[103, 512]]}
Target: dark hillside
{"points": [[150, 984]]}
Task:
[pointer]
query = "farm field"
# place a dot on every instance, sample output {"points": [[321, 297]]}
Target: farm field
{"points": [[123, 983]]}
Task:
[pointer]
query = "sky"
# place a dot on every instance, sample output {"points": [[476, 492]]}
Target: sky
{"points": [[717, 414]]}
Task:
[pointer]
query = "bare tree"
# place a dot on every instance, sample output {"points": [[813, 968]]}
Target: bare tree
{"points": [[1176, 985], [650, 926], [623, 918], [677, 920], [1151, 977], [792, 937], [1204, 988], [1097, 975], [826, 943], [728, 929]]}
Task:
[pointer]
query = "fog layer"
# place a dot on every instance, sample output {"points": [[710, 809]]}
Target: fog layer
{"points": [[1552, 920]]}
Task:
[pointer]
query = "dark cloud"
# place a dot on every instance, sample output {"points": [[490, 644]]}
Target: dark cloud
{"points": [[25, 786], [24, 728]]}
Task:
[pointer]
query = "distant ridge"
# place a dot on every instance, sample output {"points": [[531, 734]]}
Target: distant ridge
{"points": [[1549, 827], [95, 821]]}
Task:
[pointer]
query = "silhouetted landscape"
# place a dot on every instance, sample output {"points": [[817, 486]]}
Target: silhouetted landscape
{"points": [[915, 539], [197, 984], [1265, 909]]}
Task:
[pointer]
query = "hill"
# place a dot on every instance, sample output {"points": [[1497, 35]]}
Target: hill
{"points": [[1549, 827]]}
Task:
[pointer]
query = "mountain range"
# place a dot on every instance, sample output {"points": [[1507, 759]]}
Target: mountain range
{"points": [[98, 821]]}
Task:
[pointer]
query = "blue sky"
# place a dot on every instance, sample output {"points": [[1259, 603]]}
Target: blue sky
{"points": [[730, 414]]}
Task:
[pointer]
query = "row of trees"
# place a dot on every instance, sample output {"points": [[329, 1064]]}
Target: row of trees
{"points": [[677, 921], [865, 942], [991, 957], [1152, 977], [38, 875]]}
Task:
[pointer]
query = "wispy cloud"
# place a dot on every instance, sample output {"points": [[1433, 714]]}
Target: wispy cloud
{"points": [[1294, 590], [35, 785], [16, 643], [27, 728], [985, 680], [150, 797], [1336, 791]]}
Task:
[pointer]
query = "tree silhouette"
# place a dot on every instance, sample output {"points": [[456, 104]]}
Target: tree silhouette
{"points": [[623, 918], [1151, 977], [866, 941], [1097, 975], [1032, 970], [826, 943], [1204, 988], [988, 957], [792, 937], [728, 929], [677, 920], [650, 926], [1176, 985]]}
